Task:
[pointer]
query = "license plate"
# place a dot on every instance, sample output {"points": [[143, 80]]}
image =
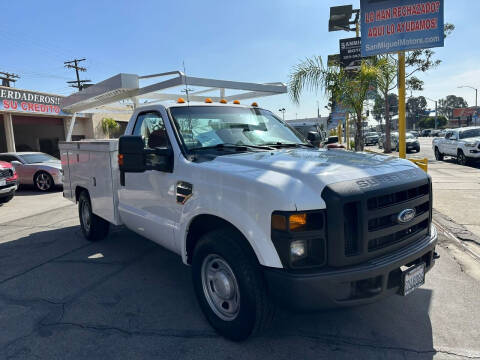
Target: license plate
{"points": [[413, 278], [3, 182]]}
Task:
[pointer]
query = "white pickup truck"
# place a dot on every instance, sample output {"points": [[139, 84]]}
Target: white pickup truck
{"points": [[262, 216], [461, 143]]}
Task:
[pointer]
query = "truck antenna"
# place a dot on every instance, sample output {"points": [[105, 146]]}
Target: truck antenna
{"points": [[187, 90]]}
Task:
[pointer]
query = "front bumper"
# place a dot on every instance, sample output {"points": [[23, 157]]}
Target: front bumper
{"points": [[8, 190], [472, 153], [349, 286]]}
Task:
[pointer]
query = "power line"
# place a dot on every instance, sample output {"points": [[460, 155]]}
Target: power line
{"points": [[7, 78], [73, 64]]}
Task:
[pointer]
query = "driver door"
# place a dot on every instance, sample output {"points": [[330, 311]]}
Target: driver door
{"points": [[147, 200]]}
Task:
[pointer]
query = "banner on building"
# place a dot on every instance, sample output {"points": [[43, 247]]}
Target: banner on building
{"points": [[400, 25], [16, 100]]}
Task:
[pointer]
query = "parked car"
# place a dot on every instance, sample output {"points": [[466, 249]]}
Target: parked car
{"points": [[41, 170], [332, 143], [435, 133], [411, 142], [371, 138], [426, 132], [260, 215], [8, 182], [461, 143], [414, 133]]}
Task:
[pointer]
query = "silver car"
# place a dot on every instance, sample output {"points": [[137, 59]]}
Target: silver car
{"points": [[35, 168]]}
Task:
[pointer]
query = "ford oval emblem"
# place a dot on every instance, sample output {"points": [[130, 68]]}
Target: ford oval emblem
{"points": [[406, 216]]}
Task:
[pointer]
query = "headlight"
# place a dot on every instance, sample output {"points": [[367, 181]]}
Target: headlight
{"points": [[470, 144], [300, 238]]}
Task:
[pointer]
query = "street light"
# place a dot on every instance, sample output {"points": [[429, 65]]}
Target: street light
{"points": [[340, 18], [436, 107], [282, 110], [476, 97]]}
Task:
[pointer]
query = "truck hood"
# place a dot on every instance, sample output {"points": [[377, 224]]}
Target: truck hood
{"points": [[314, 167], [472, 139]]}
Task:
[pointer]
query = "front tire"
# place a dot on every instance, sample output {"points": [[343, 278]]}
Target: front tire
{"points": [[438, 154], [229, 285], [461, 158], [94, 228], [43, 181]]}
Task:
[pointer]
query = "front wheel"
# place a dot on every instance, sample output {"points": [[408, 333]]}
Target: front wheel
{"points": [[438, 154], [43, 181], [461, 158], [94, 228], [229, 285]]}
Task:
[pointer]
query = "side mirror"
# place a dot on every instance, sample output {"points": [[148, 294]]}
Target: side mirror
{"points": [[313, 136], [131, 155], [15, 163]]}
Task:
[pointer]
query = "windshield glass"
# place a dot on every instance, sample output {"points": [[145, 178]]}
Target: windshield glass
{"points": [[37, 158], [470, 133], [206, 126]]}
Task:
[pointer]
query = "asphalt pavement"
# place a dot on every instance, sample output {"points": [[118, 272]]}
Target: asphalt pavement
{"points": [[62, 297]]}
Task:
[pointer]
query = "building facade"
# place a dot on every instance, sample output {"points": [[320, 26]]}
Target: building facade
{"points": [[462, 117], [34, 121]]}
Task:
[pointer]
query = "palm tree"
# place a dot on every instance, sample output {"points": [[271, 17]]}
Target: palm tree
{"points": [[348, 88]]}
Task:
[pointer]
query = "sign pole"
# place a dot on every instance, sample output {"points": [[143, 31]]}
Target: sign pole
{"points": [[401, 105]]}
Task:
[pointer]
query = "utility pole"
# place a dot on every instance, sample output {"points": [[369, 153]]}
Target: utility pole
{"points": [[7, 78], [80, 84]]}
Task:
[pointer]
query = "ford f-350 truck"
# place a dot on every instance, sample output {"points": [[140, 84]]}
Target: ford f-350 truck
{"points": [[261, 216]]}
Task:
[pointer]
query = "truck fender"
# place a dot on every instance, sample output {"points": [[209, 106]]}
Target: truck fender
{"points": [[258, 238]]}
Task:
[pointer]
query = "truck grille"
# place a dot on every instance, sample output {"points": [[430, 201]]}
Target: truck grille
{"points": [[362, 221], [6, 173]]}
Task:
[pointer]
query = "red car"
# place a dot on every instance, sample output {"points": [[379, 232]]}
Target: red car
{"points": [[8, 182]]}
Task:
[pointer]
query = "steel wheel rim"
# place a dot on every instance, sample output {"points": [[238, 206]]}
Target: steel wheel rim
{"points": [[220, 287], [461, 158], [43, 181], [86, 216]]}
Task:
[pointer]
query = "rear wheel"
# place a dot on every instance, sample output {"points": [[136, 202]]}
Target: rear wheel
{"points": [[461, 158], [229, 285], [438, 154], [94, 228], [43, 181]]}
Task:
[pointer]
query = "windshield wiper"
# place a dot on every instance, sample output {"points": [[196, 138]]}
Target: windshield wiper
{"points": [[241, 147], [287, 145]]}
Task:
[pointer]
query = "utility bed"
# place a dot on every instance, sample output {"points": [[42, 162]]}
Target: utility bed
{"points": [[92, 165]]}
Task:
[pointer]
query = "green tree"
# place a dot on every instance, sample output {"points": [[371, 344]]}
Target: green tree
{"points": [[416, 107], [446, 106], [345, 87], [429, 122], [109, 124]]}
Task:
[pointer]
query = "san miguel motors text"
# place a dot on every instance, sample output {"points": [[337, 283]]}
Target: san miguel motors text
{"points": [[399, 12]]}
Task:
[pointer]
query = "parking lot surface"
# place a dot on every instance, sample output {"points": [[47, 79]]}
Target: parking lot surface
{"points": [[62, 297]]}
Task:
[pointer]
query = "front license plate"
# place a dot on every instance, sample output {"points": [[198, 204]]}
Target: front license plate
{"points": [[413, 278], [3, 182]]}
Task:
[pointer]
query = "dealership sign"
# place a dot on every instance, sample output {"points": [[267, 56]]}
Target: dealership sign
{"points": [[400, 25], [15, 100], [350, 54]]}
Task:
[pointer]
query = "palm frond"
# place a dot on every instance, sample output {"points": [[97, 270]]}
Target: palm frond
{"points": [[309, 74]]}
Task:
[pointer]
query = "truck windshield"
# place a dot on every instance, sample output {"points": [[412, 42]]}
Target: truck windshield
{"points": [[208, 126], [470, 133]]}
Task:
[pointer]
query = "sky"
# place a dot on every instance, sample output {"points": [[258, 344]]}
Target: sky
{"points": [[248, 40]]}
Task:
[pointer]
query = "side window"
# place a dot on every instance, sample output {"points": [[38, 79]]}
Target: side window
{"points": [[8, 158], [151, 128], [448, 135]]}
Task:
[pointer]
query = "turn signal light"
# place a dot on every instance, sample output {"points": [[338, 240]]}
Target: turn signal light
{"points": [[120, 159], [208, 100], [223, 101], [254, 104], [297, 221], [181, 101], [236, 102]]}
